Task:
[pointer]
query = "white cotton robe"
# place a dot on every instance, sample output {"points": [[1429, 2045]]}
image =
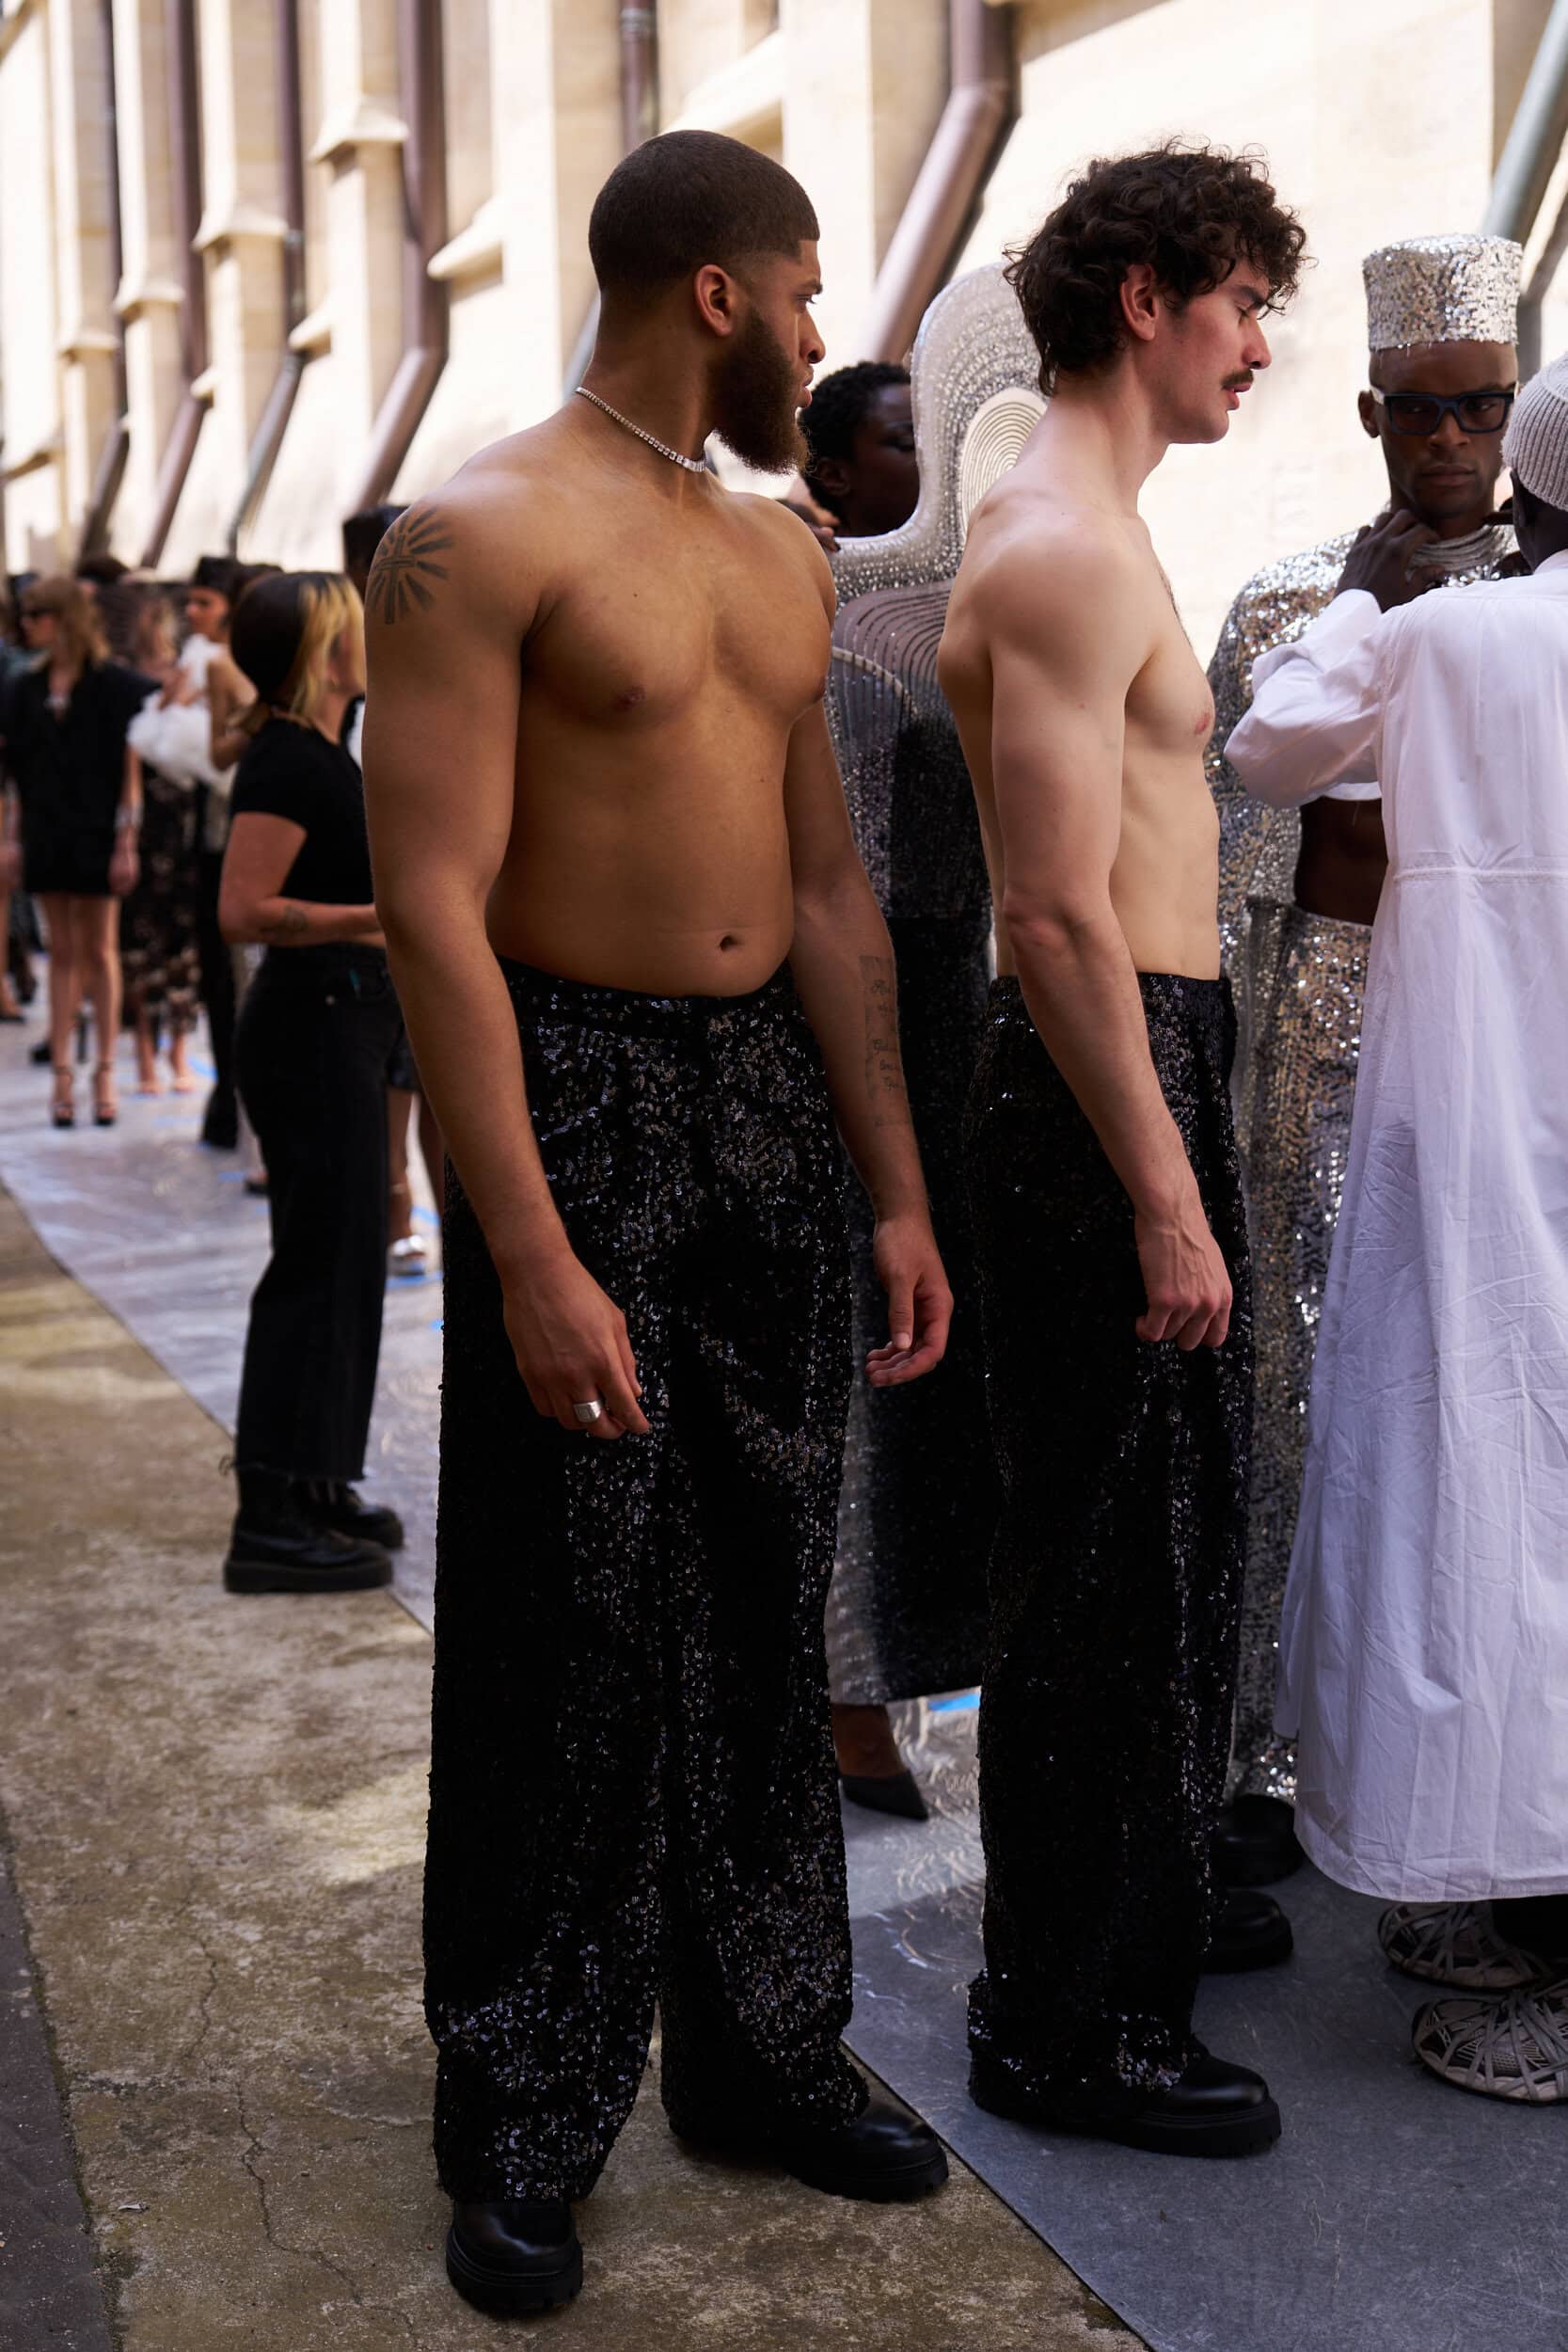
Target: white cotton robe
{"points": [[1424, 1650]]}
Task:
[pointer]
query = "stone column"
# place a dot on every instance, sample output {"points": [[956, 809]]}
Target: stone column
{"points": [[242, 231], [357, 145], [87, 342], [150, 292], [33, 443], [557, 138]]}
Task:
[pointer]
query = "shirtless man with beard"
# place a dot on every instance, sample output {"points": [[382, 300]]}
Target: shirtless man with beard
{"points": [[644, 974], [1109, 1230]]}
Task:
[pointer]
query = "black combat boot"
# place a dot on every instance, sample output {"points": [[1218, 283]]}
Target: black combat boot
{"points": [[333, 1502], [278, 1546]]}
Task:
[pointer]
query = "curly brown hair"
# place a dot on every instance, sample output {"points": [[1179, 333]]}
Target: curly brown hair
{"points": [[1191, 213]]}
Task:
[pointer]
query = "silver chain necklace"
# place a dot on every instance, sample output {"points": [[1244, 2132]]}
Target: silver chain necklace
{"points": [[692, 465]]}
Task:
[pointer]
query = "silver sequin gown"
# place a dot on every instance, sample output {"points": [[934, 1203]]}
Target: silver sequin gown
{"points": [[907, 1611], [1299, 981]]}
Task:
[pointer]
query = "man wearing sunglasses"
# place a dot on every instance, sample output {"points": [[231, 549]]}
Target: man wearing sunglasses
{"points": [[1298, 892]]}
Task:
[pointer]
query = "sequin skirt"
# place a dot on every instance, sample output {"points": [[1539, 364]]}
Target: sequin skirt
{"points": [[907, 1614], [1304, 977], [1116, 1576], [632, 1783]]}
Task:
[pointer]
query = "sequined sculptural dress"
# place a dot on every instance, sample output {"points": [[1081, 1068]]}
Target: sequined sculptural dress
{"points": [[1116, 1576], [1300, 979], [632, 1788], [907, 1612]]}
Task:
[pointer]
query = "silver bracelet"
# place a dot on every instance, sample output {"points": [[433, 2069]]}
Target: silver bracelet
{"points": [[128, 820]]}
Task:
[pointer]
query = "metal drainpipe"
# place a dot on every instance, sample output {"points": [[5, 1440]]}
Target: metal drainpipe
{"points": [[425, 214], [638, 122], [963, 150], [185, 127], [110, 471], [1525, 168], [639, 79], [274, 421]]}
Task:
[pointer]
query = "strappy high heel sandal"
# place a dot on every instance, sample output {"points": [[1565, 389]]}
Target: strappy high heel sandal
{"points": [[62, 1110], [105, 1108]]}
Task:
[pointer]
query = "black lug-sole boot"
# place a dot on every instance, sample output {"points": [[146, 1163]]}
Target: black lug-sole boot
{"points": [[277, 1547]]}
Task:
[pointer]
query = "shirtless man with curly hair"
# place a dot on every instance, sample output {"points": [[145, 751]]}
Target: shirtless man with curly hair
{"points": [[1109, 1225]]}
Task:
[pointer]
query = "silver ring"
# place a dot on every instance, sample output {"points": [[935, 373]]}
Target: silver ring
{"points": [[587, 1414]]}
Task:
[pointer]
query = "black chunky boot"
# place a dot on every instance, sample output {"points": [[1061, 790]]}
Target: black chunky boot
{"points": [[514, 2259], [278, 1546], [332, 1502]]}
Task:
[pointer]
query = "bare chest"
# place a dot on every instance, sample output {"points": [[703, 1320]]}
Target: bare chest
{"points": [[1169, 706], [663, 627]]}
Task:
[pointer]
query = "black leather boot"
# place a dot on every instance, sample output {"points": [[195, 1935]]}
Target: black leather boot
{"points": [[885, 2155], [335, 1504], [1250, 1931], [278, 1547], [1255, 1842], [514, 2258], [1213, 2109]]}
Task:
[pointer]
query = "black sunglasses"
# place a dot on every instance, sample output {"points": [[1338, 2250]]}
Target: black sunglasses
{"points": [[1421, 414]]}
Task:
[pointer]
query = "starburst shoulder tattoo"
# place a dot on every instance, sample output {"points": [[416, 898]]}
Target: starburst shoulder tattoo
{"points": [[407, 570]]}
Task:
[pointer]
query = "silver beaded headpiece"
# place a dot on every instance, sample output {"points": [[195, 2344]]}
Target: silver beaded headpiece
{"points": [[1443, 290], [974, 385]]}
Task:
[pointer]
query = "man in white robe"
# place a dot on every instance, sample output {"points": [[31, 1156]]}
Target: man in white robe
{"points": [[1424, 1652]]}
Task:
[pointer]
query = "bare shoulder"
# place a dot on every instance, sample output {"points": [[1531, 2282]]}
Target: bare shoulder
{"points": [[1036, 559], [490, 534], [785, 539]]}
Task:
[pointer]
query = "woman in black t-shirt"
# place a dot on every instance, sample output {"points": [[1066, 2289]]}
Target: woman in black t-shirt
{"points": [[79, 785], [318, 1023]]}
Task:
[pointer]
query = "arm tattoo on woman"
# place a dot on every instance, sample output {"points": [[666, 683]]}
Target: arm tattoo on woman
{"points": [[406, 569], [286, 927], [884, 1068]]}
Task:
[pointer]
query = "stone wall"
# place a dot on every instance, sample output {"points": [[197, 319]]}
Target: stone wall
{"points": [[1378, 122]]}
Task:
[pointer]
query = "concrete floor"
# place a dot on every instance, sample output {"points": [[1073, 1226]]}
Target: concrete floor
{"points": [[214, 1813]]}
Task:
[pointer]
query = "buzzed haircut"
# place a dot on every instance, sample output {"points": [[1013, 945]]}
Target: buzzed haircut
{"points": [[687, 199]]}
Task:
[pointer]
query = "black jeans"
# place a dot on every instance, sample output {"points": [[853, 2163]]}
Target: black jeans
{"points": [[216, 957], [1116, 1577], [632, 1790], [314, 1033]]}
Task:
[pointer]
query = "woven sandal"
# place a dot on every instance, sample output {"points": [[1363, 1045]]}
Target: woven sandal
{"points": [[1456, 1944], [1513, 2048]]}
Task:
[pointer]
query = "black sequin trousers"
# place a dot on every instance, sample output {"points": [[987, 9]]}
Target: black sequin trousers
{"points": [[1116, 1577], [633, 1791]]}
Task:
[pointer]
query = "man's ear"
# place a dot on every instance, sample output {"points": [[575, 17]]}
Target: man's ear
{"points": [[1139, 295], [833, 475], [1367, 409], [718, 296]]}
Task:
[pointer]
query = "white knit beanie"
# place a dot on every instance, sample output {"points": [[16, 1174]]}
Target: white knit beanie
{"points": [[1535, 447]]}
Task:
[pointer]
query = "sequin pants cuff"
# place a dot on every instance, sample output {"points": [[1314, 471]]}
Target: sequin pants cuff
{"points": [[632, 1785], [1304, 977], [1116, 1576]]}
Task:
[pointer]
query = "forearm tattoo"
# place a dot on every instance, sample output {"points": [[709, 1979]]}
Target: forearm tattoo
{"points": [[406, 572], [884, 1067], [288, 927]]}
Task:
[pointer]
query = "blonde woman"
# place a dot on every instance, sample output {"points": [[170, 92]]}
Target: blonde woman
{"points": [[316, 1031], [79, 787]]}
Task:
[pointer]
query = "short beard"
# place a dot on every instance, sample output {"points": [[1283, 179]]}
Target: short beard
{"points": [[755, 400]]}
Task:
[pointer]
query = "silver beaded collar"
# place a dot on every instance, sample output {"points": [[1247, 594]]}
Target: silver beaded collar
{"points": [[692, 465]]}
